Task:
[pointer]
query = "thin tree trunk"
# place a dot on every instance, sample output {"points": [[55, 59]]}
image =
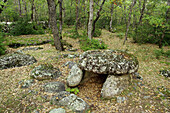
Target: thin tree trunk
{"points": [[60, 17], [32, 9], [77, 15], [111, 18], [19, 4], [25, 6], [2, 6], [53, 22], [128, 24], [142, 12], [84, 1], [167, 12], [97, 17], [90, 20]]}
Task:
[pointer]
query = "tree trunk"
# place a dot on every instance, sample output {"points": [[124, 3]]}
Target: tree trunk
{"points": [[128, 24], [2, 6], [167, 12], [77, 15], [60, 17], [32, 9], [97, 17], [53, 22], [19, 4], [25, 7], [111, 18], [90, 20], [142, 12]]}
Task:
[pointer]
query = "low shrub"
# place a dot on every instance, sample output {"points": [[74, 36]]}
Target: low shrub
{"points": [[87, 44], [161, 52], [2, 45]]}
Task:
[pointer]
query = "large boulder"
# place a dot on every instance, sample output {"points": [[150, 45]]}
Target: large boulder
{"points": [[53, 87], [70, 101], [114, 85], [108, 62], [45, 72], [75, 76], [16, 60]]}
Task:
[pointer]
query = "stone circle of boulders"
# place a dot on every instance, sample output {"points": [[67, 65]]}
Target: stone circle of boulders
{"points": [[116, 65], [45, 72], [16, 60], [71, 101]]}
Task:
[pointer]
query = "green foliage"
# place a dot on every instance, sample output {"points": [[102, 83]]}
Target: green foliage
{"points": [[161, 52], [23, 27], [87, 44], [120, 35], [2, 45], [73, 90], [97, 32]]}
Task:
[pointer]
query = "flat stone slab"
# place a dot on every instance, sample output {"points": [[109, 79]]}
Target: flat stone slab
{"points": [[16, 60], [108, 62]]}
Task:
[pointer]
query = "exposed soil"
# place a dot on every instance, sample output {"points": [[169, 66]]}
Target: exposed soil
{"points": [[142, 96]]}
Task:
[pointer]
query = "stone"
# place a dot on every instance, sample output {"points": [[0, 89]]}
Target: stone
{"points": [[108, 62], [59, 110], [31, 48], [75, 76], [147, 97], [16, 60], [53, 87], [114, 85], [121, 99], [165, 73], [45, 72], [72, 50], [26, 83], [70, 101]]}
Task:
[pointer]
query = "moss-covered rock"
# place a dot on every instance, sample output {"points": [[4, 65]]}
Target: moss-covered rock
{"points": [[108, 62]]}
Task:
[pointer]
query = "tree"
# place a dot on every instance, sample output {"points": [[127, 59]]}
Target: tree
{"points": [[77, 14], [111, 18], [90, 20], [2, 6], [128, 24], [60, 17], [53, 22]]}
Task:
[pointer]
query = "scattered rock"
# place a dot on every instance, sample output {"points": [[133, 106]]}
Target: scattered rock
{"points": [[165, 73], [108, 62], [72, 50], [16, 60], [75, 76], [26, 83], [71, 101], [69, 64], [146, 97], [70, 55], [45, 72], [121, 99], [114, 85], [54, 87], [137, 76], [31, 48], [59, 110]]}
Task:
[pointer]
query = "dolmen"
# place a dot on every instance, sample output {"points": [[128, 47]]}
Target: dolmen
{"points": [[116, 65]]}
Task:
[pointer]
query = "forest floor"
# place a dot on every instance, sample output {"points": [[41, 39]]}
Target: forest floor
{"points": [[150, 95]]}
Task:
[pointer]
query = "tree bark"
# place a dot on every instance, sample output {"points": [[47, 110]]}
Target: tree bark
{"points": [[97, 17], [25, 6], [142, 12], [32, 9], [60, 18], [53, 22], [2, 6], [111, 18], [128, 24], [77, 15], [90, 20], [19, 4]]}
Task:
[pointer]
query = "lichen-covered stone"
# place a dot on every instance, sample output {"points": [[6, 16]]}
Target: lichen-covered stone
{"points": [[45, 72], [16, 60], [70, 101], [108, 62], [26, 83], [114, 85], [54, 87], [75, 76], [59, 110]]}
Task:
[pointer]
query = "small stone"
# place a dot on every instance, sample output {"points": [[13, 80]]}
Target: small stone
{"points": [[26, 83], [121, 99], [146, 97], [59, 110], [53, 87]]}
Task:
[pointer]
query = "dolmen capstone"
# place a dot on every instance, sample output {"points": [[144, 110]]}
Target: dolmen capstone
{"points": [[16, 59], [117, 65]]}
